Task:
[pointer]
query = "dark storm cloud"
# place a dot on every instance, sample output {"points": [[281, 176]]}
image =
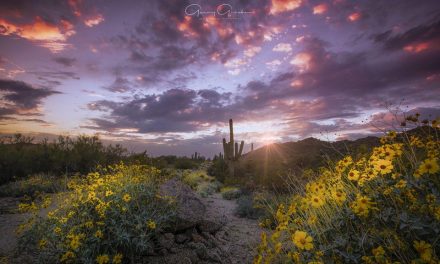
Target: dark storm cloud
{"points": [[65, 61], [52, 78], [57, 75], [19, 96], [175, 110], [50, 11], [420, 33], [24, 95]]}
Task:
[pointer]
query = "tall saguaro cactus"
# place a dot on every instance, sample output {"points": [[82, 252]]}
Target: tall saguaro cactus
{"points": [[232, 151]]}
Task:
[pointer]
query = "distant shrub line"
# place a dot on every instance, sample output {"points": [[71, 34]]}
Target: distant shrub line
{"points": [[21, 156]]}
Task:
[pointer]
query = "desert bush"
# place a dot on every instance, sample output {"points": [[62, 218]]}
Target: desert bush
{"points": [[230, 193], [184, 163], [382, 208], [33, 185], [245, 208], [218, 168], [20, 156], [109, 216], [196, 177], [201, 182], [207, 188]]}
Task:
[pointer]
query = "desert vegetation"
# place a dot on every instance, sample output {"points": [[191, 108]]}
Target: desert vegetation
{"points": [[375, 200], [382, 207]]}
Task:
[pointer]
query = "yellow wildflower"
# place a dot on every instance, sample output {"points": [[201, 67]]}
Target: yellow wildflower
{"points": [[102, 259], [424, 249], [89, 224], [401, 184], [302, 240], [338, 196], [317, 201], [353, 175], [42, 243], [67, 256], [429, 166], [362, 205], [126, 198], [151, 224], [383, 166], [57, 230], [75, 242], [379, 251], [91, 196], [99, 234], [117, 259], [278, 247]]}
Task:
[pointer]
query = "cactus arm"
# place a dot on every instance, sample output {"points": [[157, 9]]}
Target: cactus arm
{"points": [[225, 148], [231, 131], [236, 150], [241, 148]]}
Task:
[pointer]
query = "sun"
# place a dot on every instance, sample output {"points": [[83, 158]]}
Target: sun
{"points": [[267, 139]]}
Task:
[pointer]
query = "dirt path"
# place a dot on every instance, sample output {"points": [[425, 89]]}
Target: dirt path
{"points": [[241, 234], [9, 221]]}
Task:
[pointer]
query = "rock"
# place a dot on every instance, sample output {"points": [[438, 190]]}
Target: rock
{"points": [[197, 238], [211, 241], [181, 238], [183, 257], [166, 241], [214, 255], [190, 209], [200, 249], [221, 236], [210, 225]]}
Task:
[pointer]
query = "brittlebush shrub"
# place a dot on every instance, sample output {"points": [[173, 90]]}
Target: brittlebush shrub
{"points": [[382, 208], [109, 216], [33, 185]]}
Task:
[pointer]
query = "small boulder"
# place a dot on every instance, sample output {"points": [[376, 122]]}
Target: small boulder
{"points": [[190, 209], [166, 241], [181, 238]]}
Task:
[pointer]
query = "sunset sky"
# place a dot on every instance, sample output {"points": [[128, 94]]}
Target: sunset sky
{"points": [[158, 75]]}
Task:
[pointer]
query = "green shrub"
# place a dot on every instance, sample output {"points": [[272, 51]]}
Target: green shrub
{"points": [[245, 208], [33, 185], [112, 215], [185, 163], [230, 193], [208, 188], [194, 178]]}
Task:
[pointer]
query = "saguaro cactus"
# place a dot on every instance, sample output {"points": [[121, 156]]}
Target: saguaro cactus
{"points": [[232, 151]]}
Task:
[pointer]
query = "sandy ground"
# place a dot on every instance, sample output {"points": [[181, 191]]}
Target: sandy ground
{"points": [[9, 221]]}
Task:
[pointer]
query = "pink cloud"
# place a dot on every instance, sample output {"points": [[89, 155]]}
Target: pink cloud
{"points": [[46, 34], [94, 20], [280, 6], [354, 16], [320, 9]]}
